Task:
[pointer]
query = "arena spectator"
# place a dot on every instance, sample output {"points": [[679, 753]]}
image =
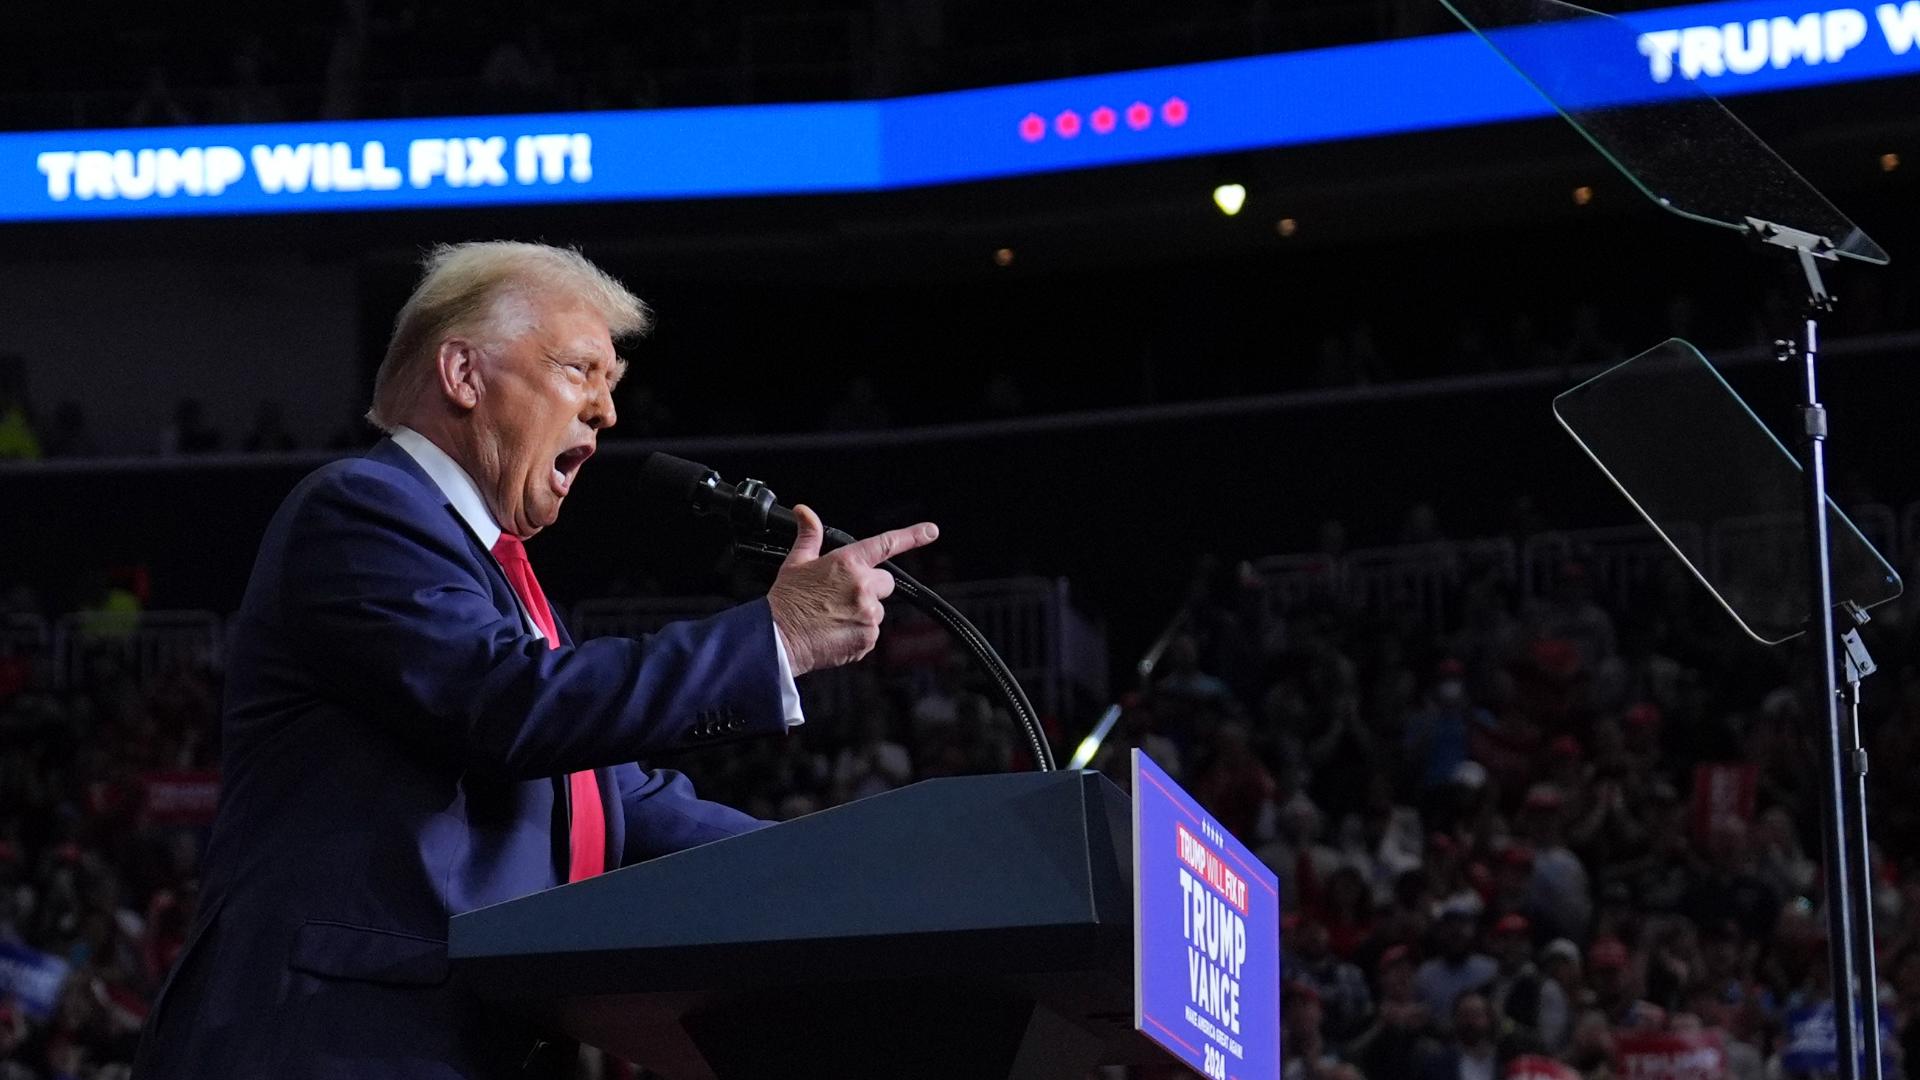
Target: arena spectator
{"points": [[1534, 1005], [1400, 1037], [1560, 900], [874, 764], [157, 104], [18, 440], [1345, 1001], [1235, 785], [1457, 968], [248, 99], [1437, 736], [189, 433], [269, 434], [1308, 1054], [1472, 1051], [1583, 837], [69, 436]]}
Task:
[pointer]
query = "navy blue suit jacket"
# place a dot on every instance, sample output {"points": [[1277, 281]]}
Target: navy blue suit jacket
{"points": [[393, 737]]}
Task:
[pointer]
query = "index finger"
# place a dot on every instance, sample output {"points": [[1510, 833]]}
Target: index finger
{"points": [[877, 549]]}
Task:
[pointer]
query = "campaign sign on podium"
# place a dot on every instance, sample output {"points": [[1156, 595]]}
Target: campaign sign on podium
{"points": [[1206, 936]]}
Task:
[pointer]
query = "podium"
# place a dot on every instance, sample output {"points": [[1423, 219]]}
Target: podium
{"points": [[970, 927]]}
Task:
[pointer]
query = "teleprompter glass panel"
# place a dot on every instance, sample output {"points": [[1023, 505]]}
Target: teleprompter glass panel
{"points": [[1672, 139], [1688, 453]]}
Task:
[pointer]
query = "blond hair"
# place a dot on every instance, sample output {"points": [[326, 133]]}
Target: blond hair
{"points": [[465, 290]]}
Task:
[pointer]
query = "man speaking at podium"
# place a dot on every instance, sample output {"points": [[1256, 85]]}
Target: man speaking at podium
{"points": [[410, 734]]}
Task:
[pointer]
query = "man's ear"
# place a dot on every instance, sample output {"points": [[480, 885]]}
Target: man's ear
{"points": [[457, 365]]}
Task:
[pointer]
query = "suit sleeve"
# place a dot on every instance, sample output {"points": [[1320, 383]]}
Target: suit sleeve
{"points": [[664, 816], [398, 621]]}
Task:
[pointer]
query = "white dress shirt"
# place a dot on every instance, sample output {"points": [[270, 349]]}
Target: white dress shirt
{"points": [[465, 497]]}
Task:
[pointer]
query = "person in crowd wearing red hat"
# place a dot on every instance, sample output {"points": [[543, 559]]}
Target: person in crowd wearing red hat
{"points": [[1401, 1035], [1437, 736], [1565, 766], [1561, 903], [1532, 1004], [1615, 987], [1344, 997], [1569, 614], [1402, 921], [1345, 908], [1456, 880], [1512, 881], [1305, 1052], [1640, 727]]}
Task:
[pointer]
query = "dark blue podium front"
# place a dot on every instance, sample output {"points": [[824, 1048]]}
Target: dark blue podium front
{"points": [[972, 927]]}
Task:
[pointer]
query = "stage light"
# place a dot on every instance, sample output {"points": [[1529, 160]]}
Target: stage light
{"points": [[1889, 162], [1286, 227], [1582, 195], [1230, 198], [1003, 257], [1083, 754]]}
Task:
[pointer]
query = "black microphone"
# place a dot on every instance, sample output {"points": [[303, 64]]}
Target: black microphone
{"points": [[749, 506]]}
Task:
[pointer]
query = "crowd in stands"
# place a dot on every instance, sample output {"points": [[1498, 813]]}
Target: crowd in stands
{"points": [[1548, 828], [222, 62], [1549, 836], [1544, 835]]}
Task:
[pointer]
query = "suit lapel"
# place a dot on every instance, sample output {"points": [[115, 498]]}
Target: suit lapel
{"points": [[388, 452]]}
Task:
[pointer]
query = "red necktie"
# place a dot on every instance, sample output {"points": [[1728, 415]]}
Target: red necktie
{"points": [[588, 835]]}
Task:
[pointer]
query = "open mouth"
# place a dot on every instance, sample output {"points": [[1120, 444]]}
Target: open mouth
{"points": [[567, 465]]}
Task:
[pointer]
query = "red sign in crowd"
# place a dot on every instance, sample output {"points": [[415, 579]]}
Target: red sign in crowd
{"points": [[1671, 1055], [1723, 795], [181, 798], [1535, 1067]]}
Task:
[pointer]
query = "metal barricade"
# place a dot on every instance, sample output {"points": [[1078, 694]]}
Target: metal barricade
{"points": [[22, 634], [1760, 548], [26, 650], [1620, 559], [1417, 578], [1296, 582], [149, 643]]}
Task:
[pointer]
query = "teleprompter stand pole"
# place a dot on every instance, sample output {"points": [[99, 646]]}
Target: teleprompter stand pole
{"points": [[1858, 665], [1843, 810]]}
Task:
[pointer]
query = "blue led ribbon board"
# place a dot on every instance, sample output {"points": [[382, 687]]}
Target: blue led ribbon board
{"points": [[1289, 99]]}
